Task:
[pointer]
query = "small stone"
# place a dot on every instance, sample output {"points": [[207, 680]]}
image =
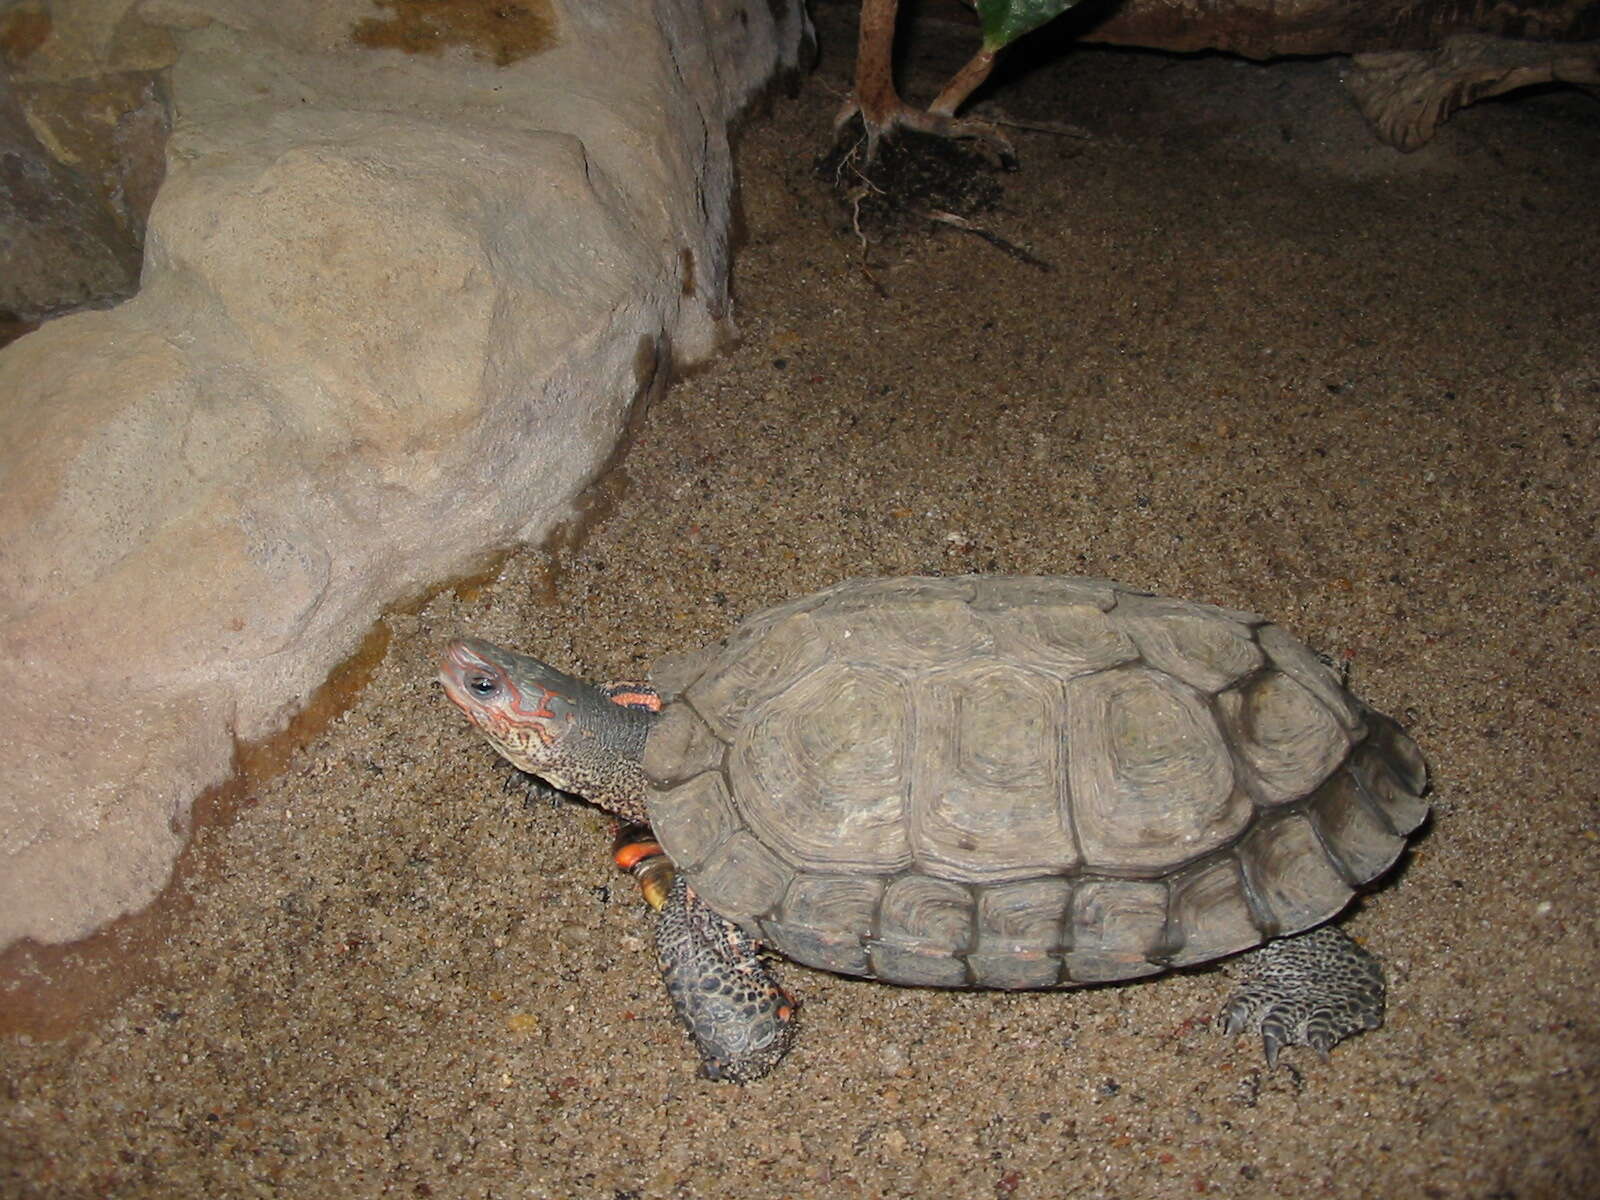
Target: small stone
{"points": [[892, 1058]]}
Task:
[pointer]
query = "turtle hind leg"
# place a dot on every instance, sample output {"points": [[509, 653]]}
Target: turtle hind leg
{"points": [[1313, 989], [741, 1020]]}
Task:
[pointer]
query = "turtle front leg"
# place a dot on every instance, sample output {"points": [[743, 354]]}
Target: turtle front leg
{"points": [[741, 1020], [1313, 989]]}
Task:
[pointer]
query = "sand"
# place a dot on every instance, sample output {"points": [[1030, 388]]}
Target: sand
{"points": [[1275, 366]]}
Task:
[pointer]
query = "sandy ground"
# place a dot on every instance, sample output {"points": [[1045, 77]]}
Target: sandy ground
{"points": [[1275, 366]]}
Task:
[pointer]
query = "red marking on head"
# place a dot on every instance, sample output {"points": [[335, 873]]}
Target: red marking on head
{"points": [[544, 702]]}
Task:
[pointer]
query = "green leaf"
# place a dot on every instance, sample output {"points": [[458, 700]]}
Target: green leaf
{"points": [[1004, 21]]}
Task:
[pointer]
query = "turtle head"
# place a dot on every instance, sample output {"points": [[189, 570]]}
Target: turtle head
{"points": [[529, 711]]}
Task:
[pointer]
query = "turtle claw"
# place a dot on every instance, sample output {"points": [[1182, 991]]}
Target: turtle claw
{"points": [[1271, 1043], [1314, 989], [1233, 1018]]}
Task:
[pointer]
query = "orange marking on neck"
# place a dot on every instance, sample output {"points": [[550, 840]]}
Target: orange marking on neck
{"points": [[629, 856], [648, 701]]}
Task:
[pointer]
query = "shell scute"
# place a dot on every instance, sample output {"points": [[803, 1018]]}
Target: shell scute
{"points": [[681, 746], [996, 592], [694, 819], [986, 778], [1288, 738], [821, 774], [899, 592], [1118, 930], [827, 920], [1152, 780], [1068, 639], [755, 666], [1204, 652], [1021, 930], [918, 636], [923, 925], [1353, 829], [1310, 672], [1391, 769], [1210, 912], [746, 878], [1290, 876]]}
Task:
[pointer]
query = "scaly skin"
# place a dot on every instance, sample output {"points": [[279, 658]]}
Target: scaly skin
{"points": [[741, 1020], [1314, 989]]}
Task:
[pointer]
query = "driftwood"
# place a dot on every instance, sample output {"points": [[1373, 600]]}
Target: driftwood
{"points": [[1415, 62]]}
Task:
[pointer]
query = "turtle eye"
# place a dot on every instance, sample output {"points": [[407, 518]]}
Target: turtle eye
{"points": [[482, 684]]}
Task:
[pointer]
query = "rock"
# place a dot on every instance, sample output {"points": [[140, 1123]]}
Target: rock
{"points": [[112, 129], [83, 128], [61, 247], [396, 308]]}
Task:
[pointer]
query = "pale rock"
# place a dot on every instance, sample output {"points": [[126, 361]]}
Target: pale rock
{"points": [[394, 313]]}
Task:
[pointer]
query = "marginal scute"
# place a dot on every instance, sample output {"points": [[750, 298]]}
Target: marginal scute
{"points": [[742, 878], [821, 771], [916, 636], [1068, 639], [1014, 970], [922, 925], [1118, 927], [899, 592], [1390, 768], [1289, 874], [825, 920], [1353, 830], [1401, 753], [818, 946], [1151, 778], [1135, 605], [1204, 652], [1021, 927], [753, 670], [1210, 913], [1290, 739], [692, 820], [680, 747], [1310, 672], [673, 674], [1028, 591], [986, 790]]}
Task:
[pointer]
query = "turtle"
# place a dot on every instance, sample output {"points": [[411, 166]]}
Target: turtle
{"points": [[999, 782]]}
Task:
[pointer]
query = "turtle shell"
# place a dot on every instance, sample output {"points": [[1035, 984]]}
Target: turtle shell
{"points": [[1021, 782]]}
